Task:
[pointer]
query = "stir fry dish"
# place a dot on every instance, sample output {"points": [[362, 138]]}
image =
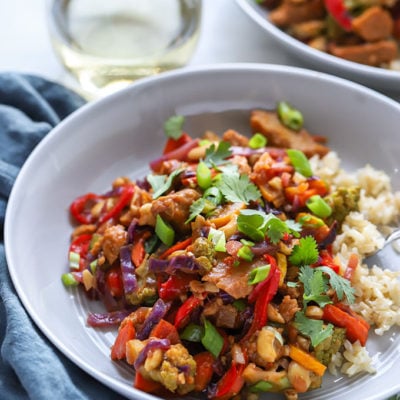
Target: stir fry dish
{"points": [[218, 266], [363, 31]]}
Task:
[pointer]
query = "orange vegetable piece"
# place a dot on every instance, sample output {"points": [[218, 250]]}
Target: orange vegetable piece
{"points": [[126, 332], [306, 360], [204, 370], [165, 330]]}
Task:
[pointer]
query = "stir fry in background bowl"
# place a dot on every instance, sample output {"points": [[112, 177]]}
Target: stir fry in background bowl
{"points": [[362, 31], [235, 265]]}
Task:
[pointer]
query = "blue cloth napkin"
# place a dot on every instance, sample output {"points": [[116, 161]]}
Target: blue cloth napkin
{"points": [[30, 367]]}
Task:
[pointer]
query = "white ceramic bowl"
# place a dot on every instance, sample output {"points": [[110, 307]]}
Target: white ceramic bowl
{"points": [[120, 134], [378, 78]]}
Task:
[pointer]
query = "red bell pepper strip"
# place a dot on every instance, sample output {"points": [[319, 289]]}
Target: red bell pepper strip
{"points": [[266, 291], [184, 311], [356, 327], [165, 330], [114, 282], [340, 14], [124, 200], [126, 332], [80, 208], [147, 385], [80, 245], [231, 383], [177, 154], [260, 287], [173, 144], [351, 267], [204, 370], [326, 259], [174, 286]]}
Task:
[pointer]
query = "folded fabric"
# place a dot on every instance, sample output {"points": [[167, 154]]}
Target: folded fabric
{"points": [[30, 366]]}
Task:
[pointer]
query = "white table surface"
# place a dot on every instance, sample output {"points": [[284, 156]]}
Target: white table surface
{"points": [[228, 35]]}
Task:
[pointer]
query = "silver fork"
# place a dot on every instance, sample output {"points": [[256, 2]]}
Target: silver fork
{"points": [[384, 256]]}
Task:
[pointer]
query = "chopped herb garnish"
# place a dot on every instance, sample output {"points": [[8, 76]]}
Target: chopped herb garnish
{"points": [[237, 188], [218, 155], [304, 253], [300, 162], [315, 286], [162, 183], [256, 225], [173, 126], [313, 328], [214, 195], [196, 209], [341, 285]]}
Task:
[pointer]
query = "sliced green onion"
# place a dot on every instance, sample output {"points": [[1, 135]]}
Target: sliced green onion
{"points": [[173, 126], [319, 206], [257, 141], [74, 259], [69, 280], [291, 284], [203, 174], [240, 304], [247, 242], [245, 253], [204, 142], [290, 116], [261, 386], [218, 239], [93, 266], [253, 224], [212, 340], [164, 231], [192, 333], [259, 274], [300, 162]]}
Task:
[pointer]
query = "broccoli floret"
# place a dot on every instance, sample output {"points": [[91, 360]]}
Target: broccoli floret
{"points": [[343, 201], [330, 346]]}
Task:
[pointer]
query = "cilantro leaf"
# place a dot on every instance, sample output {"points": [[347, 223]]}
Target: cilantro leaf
{"points": [[215, 156], [161, 183], [341, 285], [196, 208], [237, 188], [313, 328], [315, 286], [173, 126], [257, 224], [304, 253]]}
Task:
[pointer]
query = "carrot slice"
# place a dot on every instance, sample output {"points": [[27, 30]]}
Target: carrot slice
{"points": [[306, 360], [177, 246]]}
